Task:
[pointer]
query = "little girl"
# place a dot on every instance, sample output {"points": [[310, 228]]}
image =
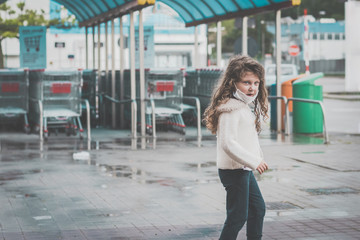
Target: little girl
{"points": [[238, 150]]}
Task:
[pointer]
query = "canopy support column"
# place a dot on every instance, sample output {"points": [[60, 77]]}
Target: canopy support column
{"points": [[142, 74], [93, 49], [99, 71], [219, 45], [196, 48], [86, 48], [113, 72], [132, 74], [107, 109], [278, 68], [122, 66], [245, 36], [98, 52]]}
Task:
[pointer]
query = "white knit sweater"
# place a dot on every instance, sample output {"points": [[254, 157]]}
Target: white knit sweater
{"points": [[237, 140]]}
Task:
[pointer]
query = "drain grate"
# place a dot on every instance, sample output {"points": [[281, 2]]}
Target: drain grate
{"points": [[328, 191], [280, 206]]}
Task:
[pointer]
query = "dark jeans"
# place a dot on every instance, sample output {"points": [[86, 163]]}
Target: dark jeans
{"points": [[244, 202]]}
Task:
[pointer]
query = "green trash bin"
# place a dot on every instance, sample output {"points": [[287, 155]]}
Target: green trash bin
{"points": [[307, 117]]}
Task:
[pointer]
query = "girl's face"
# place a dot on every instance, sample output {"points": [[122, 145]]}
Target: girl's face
{"points": [[249, 84]]}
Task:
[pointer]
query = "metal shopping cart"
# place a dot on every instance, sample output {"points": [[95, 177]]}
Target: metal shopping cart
{"points": [[14, 96], [60, 93], [89, 92], [165, 86], [32, 42]]}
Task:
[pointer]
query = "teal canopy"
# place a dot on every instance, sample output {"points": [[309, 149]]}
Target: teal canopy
{"points": [[193, 12]]}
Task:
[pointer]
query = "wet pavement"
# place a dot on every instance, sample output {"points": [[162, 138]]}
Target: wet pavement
{"points": [[116, 188]]}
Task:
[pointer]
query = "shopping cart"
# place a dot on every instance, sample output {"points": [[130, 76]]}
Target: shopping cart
{"points": [[165, 86], [201, 83], [60, 93], [14, 96], [89, 92], [32, 42]]}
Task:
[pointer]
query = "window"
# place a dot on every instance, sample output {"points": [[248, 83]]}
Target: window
{"points": [[314, 36], [329, 36], [337, 36], [322, 36]]}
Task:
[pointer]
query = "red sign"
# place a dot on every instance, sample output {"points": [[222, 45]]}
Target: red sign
{"points": [[61, 88], [10, 87], [294, 50], [165, 86]]}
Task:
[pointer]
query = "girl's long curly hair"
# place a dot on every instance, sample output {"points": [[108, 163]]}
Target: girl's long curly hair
{"points": [[236, 70]]}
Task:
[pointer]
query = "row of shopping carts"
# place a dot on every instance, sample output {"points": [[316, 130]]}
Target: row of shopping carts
{"points": [[56, 95], [61, 94]]}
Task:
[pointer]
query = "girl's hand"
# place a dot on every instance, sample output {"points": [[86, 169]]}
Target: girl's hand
{"points": [[262, 167]]}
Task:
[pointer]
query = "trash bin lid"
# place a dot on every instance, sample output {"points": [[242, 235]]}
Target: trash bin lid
{"points": [[310, 79], [290, 81]]}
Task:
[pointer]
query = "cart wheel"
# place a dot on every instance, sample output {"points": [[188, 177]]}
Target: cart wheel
{"points": [[183, 131], [27, 130], [73, 131], [36, 129], [46, 135], [149, 131]]}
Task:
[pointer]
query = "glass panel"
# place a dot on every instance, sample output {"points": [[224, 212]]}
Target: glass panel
{"points": [[245, 4], [261, 3]]}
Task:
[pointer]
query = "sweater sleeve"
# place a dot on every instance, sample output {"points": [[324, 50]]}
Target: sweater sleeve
{"points": [[231, 146]]}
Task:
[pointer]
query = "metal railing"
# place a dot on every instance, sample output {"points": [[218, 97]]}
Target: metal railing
{"points": [[88, 125], [326, 136], [152, 102], [153, 107], [41, 115], [133, 111], [41, 119], [285, 102], [198, 109]]}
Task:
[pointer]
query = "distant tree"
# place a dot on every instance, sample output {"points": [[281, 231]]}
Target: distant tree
{"points": [[9, 26], [318, 9]]}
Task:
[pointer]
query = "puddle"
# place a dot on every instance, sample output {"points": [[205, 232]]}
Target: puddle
{"points": [[201, 165], [38, 218], [123, 171]]}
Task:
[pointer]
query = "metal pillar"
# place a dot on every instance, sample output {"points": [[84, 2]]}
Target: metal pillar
{"points": [[106, 90], [278, 68], [219, 45], [93, 44], [122, 66], [196, 48], [132, 74], [98, 52], [99, 71], [106, 52], [245, 36], [113, 72], [142, 73], [86, 48], [306, 43]]}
